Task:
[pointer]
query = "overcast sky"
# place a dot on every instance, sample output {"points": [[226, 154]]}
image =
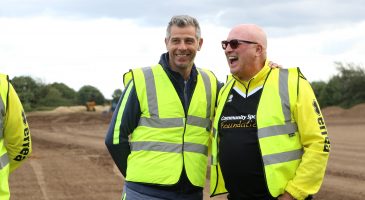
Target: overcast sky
{"points": [[94, 42]]}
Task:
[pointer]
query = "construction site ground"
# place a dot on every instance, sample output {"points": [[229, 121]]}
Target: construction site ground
{"points": [[70, 161]]}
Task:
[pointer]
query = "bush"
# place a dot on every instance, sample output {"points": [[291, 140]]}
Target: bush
{"points": [[344, 89], [90, 93]]}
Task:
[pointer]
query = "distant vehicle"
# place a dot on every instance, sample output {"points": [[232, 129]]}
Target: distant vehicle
{"points": [[90, 106]]}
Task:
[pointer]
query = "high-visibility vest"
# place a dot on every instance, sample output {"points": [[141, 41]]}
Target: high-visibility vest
{"points": [[4, 159], [166, 138], [278, 135], [127, 77]]}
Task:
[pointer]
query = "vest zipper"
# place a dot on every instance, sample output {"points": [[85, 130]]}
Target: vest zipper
{"points": [[185, 97], [183, 136]]}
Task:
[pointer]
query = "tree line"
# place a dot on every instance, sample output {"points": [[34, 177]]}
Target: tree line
{"points": [[36, 95], [344, 89]]}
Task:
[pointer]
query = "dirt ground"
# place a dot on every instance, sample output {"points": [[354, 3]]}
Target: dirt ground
{"points": [[70, 161]]}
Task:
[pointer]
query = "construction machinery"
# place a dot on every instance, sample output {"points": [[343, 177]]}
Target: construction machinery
{"points": [[90, 106]]}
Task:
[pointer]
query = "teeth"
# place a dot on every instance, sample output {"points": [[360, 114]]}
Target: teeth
{"points": [[232, 58]]}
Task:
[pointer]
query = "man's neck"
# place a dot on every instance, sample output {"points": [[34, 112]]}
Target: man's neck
{"points": [[251, 71], [184, 72]]}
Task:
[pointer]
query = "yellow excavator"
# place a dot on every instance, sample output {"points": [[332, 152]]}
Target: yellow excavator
{"points": [[90, 106]]}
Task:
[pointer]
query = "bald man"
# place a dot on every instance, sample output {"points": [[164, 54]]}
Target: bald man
{"points": [[270, 140]]}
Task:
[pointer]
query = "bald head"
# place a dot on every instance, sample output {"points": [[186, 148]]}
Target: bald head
{"points": [[251, 32], [248, 58]]}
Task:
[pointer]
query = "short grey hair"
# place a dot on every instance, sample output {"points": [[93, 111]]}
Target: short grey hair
{"points": [[183, 21]]}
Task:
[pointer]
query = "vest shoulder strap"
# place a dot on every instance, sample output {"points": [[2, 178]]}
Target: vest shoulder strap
{"points": [[127, 77]]}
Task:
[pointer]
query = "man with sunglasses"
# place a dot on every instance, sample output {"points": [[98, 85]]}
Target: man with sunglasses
{"points": [[159, 133], [269, 136]]}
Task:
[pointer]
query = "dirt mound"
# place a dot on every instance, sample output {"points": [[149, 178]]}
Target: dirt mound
{"points": [[357, 111], [71, 109], [68, 109], [332, 111], [54, 119]]}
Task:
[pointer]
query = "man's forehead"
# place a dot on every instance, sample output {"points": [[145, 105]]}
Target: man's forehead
{"points": [[187, 28], [182, 37]]}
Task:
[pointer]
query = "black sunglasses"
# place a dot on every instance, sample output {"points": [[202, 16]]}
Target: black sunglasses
{"points": [[235, 43]]}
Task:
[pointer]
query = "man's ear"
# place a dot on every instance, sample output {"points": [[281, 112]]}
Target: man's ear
{"points": [[259, 50], [166, 42], [200, 44]]}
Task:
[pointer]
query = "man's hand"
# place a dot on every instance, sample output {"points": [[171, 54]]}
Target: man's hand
{"points": [[274, 65], [286, 196]]}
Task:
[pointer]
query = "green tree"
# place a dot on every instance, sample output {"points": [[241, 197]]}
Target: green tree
{"points": [[346, 88], [28, 91], [89, 93], [52, 98], [68, 94], [57, 94], [66, 91], [318, 86], [116, 94], [352, 78]]}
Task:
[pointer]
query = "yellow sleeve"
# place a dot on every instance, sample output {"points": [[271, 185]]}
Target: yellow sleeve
{"points": [[16, 131], [316, 145]]}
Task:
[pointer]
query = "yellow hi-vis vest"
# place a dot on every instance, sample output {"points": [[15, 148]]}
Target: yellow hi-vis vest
{"points": [[166, 139], [4, 159], [277, 131]]}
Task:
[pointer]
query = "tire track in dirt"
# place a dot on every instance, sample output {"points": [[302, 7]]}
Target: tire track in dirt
{"points": [[37, 168]]}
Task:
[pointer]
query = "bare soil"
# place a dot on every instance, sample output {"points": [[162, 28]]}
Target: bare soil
{"points": [[70, 161]]}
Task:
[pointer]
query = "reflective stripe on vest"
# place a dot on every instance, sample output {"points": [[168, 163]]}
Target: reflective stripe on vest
{"points": [[161, 123], [282, 157], [4, 160], [208, 98], [157, 122], [289, 127], [169, 147], [174, 122], [116, 133], [284, 94], [151, 92]]}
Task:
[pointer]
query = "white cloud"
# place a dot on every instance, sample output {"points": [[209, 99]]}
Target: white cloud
{"points": [[281, 13], [77, 52], [97, 52], [315, 53]]}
